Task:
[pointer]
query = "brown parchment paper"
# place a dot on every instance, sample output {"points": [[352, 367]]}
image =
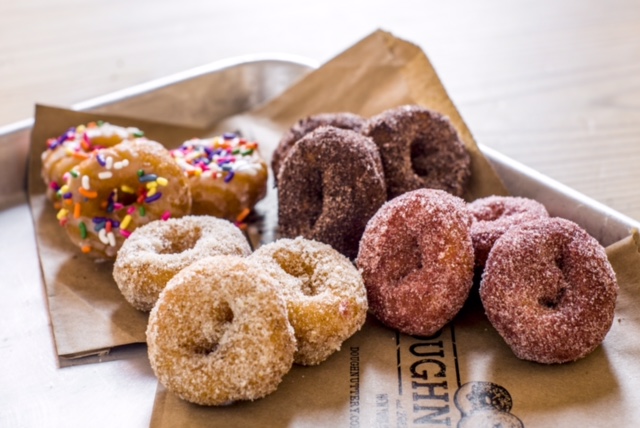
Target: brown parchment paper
{"points": [[463, 376], [88, 314]]}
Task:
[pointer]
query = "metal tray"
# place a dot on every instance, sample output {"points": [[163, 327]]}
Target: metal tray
{"points": [[199, 97]]}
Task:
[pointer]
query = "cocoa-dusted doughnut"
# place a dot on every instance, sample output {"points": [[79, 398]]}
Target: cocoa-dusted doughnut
{"points": [[494, 215], [416, 259], [75, 145], [419, 148], [342, 120], [155, 252], [226, 173], [324, 292], [117, 189], [330, 184], [219, 333], [549, 290]]}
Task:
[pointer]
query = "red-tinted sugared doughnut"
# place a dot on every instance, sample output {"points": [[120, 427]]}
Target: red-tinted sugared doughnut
{"points": [[494, 215], [330, 185], [304, 126], [419, 148], [416, 259], [549, 290]]}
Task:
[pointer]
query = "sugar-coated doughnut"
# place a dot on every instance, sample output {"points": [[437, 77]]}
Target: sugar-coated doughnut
{"points": [[329, 186], [494, 215], [219, 333], [420, 148], [416, 259], [549, 290], [324, 292], [155, 252], [342, 120], [226, 173], [115, 190], [75, 145]]}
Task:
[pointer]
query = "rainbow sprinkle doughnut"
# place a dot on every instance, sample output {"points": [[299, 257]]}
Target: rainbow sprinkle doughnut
{"points": [[226, 173]]}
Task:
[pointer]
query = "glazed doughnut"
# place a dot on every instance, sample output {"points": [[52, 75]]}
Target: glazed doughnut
{"points": [[324, 292], [494, 215], [226, 173], [117, 189], [549, 291], [75, 145], [330, 184], [304, 126], [416, 259], [156, 251], [420, 148], [219, 333]]}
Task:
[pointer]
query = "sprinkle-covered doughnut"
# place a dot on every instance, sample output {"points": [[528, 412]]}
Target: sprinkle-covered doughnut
{"points": [[226, 173], [156, 251], [77, 144], [342, 120], [219, 333], [420, 148], [416, 259], [330, 185], [324, 292], [549, 290], [494, 215], [117, 189]]}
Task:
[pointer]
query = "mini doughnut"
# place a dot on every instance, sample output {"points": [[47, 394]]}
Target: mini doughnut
{"points": [[416, 259], [226, 173], [324, 292], [219, 333], [420, 148], [494, 215], [75, 145], [117, 189], [156, 251], [304, 126], [330, 185], [549, 291]]}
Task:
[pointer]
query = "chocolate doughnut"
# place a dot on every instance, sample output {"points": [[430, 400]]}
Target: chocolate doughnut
{"points": [[416, 259], [330, 185], [419, 148], [494, 215], [549, 290], [219, 333], [304, 126]]}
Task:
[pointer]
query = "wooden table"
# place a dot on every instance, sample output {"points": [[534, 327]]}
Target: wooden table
{"points": [[553, 84]]}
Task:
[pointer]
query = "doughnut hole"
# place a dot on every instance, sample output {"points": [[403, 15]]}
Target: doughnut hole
{"points": [[298, 267], [421, 149], [182, 239], [213, 329]]}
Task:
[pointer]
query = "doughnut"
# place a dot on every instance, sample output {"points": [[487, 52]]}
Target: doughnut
{"points": [[156, 251], [416, 259], [549, 291], [329, 186], [219, 333], [324, 292], [304, 126], [75, 145], [419, 148], [494, 215], [226, 173], [115, 190]]}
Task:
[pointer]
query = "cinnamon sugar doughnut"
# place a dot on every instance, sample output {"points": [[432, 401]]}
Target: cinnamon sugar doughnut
{"points": [[219, 333], [304, 126], [330, 184], [155, 252], [115, 190], [494, 215], [416, 259], [420, 148], [324, 292], [549, 290]]}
